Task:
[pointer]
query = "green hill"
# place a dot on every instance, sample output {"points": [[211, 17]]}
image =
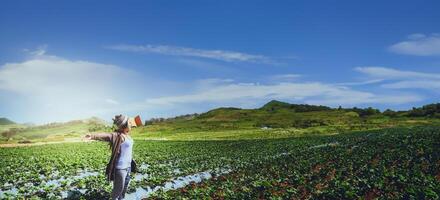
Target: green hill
{"points": [[5, 121], [52, 131], [277, 114]]}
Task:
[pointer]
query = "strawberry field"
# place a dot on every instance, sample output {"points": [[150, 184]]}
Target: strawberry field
{"points": [[398, 163]]}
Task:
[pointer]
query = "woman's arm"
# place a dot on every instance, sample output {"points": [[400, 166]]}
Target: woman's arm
{"points": [[99, 136]]}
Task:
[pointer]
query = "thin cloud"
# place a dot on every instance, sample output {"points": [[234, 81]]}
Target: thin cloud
{"points": [[367, 82], [39, 51], [286, 77], [418, 45], [112, 101], [415, 84], [402, 79], [223, 55], [390, 73]]}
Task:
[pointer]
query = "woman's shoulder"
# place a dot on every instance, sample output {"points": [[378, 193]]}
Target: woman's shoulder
{"points": [[127, 137], [114, 135]]}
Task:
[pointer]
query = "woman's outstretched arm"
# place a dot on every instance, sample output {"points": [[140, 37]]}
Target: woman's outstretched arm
{"points": [[99, 136]]}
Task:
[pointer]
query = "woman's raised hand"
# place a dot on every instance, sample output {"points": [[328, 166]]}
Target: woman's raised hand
{"points": [[87, 138]]}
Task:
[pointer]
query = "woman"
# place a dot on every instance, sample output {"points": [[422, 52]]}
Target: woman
{"points": [[121, 160]]}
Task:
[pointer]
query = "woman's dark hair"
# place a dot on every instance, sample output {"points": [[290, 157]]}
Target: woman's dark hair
{"points": [[122, 127]]}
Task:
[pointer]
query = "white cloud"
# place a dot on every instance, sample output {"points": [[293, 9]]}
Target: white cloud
{"points": [[58, 89], [402, 79], [51, 75], [40, 51], [228, 56], [416, 84], [418, 45], [390, 73], [367, 82], [112, 101], [310, 92], [416, 36], [286, 77]]}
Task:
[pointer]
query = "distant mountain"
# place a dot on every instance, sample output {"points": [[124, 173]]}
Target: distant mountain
{"points": [[278, 114], [54, 130], [6, 121]]}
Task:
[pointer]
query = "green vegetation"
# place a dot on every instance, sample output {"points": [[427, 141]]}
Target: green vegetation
{"points": [[430, 110], [5, 121], [16, 133], [396, 163], [390, 164]]}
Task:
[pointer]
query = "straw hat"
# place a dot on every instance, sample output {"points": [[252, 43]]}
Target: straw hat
{"points": [[121, 121]]}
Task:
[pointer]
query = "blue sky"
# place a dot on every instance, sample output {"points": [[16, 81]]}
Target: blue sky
{"points": [[63, 60]]}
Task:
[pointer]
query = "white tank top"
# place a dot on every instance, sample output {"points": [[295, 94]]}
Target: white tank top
{"points": [[126, 154]]}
